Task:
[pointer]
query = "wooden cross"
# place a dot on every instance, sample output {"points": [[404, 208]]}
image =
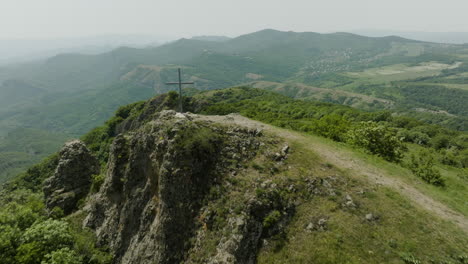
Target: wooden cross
{"points": [[180, 89]]}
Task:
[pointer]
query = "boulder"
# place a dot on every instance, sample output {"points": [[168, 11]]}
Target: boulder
{"points": [[72, 177]]}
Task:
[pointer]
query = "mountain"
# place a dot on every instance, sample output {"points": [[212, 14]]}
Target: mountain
{"points": [[71, 93], [211, 38], [212, 188], [26, 50], [438, 37]]}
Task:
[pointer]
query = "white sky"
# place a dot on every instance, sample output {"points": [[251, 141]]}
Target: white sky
{"points": [[42, 19]]}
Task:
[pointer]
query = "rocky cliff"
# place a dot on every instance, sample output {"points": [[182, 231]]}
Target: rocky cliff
{"points": [[161, 181], [157, 179]]}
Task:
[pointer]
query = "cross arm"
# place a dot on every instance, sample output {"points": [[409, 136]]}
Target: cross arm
{"points": [[179, 83]]}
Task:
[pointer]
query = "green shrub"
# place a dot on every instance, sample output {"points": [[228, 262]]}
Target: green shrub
{"points": [[450, 157], [410, 259], [97, 181], [414, 137], [42, 238], [62, 256], [271, 219], [377, 139], [422, 166], [441, 142], [332, 126]]}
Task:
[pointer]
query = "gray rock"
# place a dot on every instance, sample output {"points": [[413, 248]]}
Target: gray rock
{"points": [[245, 236], [155, 186], [322, 223], [370, 217], [349, 201], [285, 150], [72, 178]]}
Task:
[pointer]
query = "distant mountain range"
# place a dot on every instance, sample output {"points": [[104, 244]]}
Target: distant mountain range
{"points": [[23, 50], [438, 37]]}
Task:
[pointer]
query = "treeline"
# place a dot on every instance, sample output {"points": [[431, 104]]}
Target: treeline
{"points": [[452, 100]]}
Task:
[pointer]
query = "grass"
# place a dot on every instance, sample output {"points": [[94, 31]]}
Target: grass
{"points": [[454, 195], [349, 238], [399, 72], [402, 229]]}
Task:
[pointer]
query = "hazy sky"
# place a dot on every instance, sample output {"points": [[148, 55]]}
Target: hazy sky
{"points": [[178, 18]]}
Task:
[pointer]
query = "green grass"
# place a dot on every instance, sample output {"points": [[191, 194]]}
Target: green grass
{"points": [[454, 194], [401, 229]]}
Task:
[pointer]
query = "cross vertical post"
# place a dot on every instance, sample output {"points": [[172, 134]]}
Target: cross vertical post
{"points": [[180, 91], [180, 83]]}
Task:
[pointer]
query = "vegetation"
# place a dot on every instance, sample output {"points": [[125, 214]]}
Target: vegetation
{"points": [[423, 167], [29, 234], [70, 94], [380, 133], [378, 140]]}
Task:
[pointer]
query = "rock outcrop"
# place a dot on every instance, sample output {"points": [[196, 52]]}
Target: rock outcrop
{"points": [[72, 178], [158, 177]]}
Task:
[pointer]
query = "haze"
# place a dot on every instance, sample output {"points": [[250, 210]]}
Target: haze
{"points": [[32, 19], [32, 29]]}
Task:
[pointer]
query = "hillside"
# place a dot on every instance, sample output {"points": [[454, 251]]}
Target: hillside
{"points": [[71, 93], [268, 191], [310, 93]]}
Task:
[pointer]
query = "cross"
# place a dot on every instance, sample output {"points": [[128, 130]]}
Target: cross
{"points": [[180, 89]]}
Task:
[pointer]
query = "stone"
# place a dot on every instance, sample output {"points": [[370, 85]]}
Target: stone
{"points": [[285, 150], [180, 115], [370, 217], [349, 201], [322, 222], [72, 177]]}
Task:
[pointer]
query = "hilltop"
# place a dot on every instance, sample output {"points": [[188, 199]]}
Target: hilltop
{"points": [[216, 187]]}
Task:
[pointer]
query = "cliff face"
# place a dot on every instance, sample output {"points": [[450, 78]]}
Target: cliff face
{"points": [[158, 178], [72, 178]]}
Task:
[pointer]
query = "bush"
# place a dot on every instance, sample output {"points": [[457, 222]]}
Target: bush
{"points": [[414, 137], [422, 166], [62, 256], [377, 139], [271, 219], [97, 181], [42, 238], [449, 157], [441, 142], [332, 126]]}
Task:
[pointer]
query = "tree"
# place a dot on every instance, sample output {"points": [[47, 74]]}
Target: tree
{"points": [[62, 256], [42, 238]]}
